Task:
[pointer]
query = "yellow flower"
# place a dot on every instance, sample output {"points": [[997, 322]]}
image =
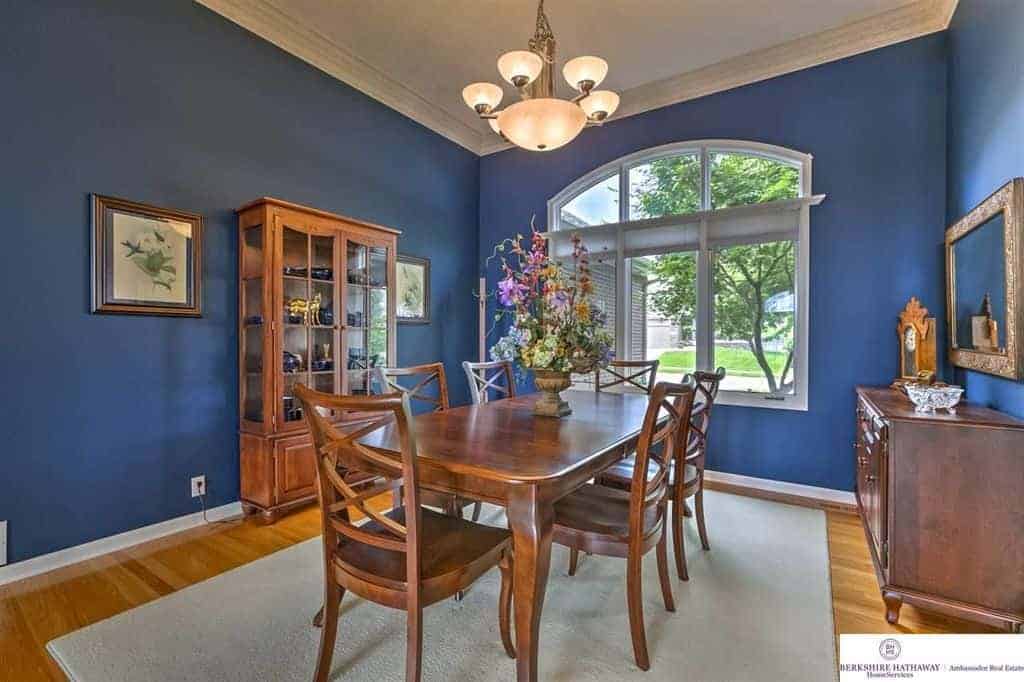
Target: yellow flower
{"points": [[583, 310]]}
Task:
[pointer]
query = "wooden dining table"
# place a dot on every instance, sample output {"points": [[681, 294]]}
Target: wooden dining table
{"points": [[500, 452]]}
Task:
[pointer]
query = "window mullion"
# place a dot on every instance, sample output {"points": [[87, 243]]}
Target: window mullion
{"points": [[705, 321], [623, 281], [705, 180], [621, 291]]}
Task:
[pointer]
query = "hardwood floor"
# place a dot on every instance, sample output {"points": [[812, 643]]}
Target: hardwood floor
{"points": [[36, 610]]}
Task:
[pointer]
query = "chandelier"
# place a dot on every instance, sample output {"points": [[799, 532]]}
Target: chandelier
{"points": [[541, 121]]}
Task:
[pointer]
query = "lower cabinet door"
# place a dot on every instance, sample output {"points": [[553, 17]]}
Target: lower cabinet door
{"points": [[295, 468], [874, 479]]}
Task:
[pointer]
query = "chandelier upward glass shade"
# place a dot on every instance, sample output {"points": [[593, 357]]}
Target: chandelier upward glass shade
{"points": [[541, 121]]}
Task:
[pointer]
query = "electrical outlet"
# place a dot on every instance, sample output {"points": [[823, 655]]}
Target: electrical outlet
{"points": [[3, 543], [198, 486]]}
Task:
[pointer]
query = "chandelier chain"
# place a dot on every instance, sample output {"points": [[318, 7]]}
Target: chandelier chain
{"points": [[543, 35]]}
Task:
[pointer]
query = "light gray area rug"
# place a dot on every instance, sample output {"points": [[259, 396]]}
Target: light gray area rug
{"points": [[757, 607]]}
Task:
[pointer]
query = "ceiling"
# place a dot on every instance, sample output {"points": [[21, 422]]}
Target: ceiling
{"points": [[417, 56]]}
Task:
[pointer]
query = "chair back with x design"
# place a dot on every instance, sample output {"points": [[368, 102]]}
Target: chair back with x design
{"points": [[501, 380], [632, 375], [708, 384], [665, 430], [340, 451], [388, 381]]}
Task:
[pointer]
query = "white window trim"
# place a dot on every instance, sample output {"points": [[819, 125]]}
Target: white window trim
{"points": [[800, 399]]}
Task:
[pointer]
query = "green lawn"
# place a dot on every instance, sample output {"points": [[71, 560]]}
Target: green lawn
{"points": [[738, 362]]}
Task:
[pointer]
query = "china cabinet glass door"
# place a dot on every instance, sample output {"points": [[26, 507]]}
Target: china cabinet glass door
{"points": [[366, 314], [309, 337], [253, 321]]}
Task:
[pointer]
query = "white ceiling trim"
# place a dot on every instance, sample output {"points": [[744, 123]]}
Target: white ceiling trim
{"points": [[291, 35]]}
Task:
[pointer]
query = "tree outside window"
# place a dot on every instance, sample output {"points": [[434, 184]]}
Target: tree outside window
{"points": [[754, 290]]}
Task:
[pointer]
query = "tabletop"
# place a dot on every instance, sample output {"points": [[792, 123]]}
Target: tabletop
{"points": [[503, 440]]}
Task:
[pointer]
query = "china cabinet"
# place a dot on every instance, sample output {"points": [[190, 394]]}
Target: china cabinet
{"points": [[316, 307]]}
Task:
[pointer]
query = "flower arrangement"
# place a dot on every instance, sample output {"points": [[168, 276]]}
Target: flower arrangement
{"points": [[555, 325]]}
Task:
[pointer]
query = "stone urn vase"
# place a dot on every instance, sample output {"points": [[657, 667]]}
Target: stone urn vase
{"points": [[550, 383]]}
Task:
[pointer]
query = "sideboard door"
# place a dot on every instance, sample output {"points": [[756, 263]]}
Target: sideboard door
{"points": [[872, 455]]}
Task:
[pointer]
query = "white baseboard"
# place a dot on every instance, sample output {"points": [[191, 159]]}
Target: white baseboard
{"points": [[794, 493], [89, 550]]}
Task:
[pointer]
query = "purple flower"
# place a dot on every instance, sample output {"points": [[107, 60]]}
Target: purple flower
{"points": [[510, 292], [558, 300]]}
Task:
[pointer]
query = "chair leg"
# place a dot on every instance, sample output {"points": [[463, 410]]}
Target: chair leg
{"points": [[476, 511], [414, 644], [663, 576], [505, 604], [634, 597], [574, 561], [453, 507], [698, 503], [329, 619], [678, 542]]}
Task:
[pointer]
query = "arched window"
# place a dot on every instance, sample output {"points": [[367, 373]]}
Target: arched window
{"points": [[714, 236]]}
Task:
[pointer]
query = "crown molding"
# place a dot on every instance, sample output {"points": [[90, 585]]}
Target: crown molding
{"points": [[888, 28], [291, 35]]}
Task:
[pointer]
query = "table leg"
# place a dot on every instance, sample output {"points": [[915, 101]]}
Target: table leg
{"points": [[531, 518]]}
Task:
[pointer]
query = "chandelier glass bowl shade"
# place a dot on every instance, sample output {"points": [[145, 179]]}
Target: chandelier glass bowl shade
{"points": [[541, 121], [600, 104], [542, 124], [482, 96], [520, 67], [585, 73]]}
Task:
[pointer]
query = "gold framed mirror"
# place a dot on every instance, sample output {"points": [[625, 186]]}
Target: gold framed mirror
{"points": [[985, 285]]}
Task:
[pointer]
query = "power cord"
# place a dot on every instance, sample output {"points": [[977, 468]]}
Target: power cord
{"points": [[202, 502]]}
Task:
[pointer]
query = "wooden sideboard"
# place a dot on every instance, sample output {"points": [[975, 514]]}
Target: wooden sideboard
{"points": [[941, 497]]}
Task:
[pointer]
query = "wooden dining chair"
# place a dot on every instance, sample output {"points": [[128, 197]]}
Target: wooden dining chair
{"points": [[691, 483], [690, 462], [406, 558], [424, 377], [500, 381], [609, 521], [632, 375]]}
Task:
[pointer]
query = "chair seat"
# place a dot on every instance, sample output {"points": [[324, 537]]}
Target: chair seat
{"points": [[620, 475], [597, 511], [450, 547]]}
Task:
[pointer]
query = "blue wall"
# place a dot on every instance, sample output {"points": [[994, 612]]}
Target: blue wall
{"points": [[876, 126], [986, 138], [105, 418]]}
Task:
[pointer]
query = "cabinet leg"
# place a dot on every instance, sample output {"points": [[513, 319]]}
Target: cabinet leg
{"points": [[262, 517], [893, 603]]}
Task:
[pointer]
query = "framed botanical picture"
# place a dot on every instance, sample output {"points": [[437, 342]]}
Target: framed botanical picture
{"points": [[145, 260], [412, 289]]}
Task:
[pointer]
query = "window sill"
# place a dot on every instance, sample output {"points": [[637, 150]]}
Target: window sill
{"points": [[744, 399]]}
